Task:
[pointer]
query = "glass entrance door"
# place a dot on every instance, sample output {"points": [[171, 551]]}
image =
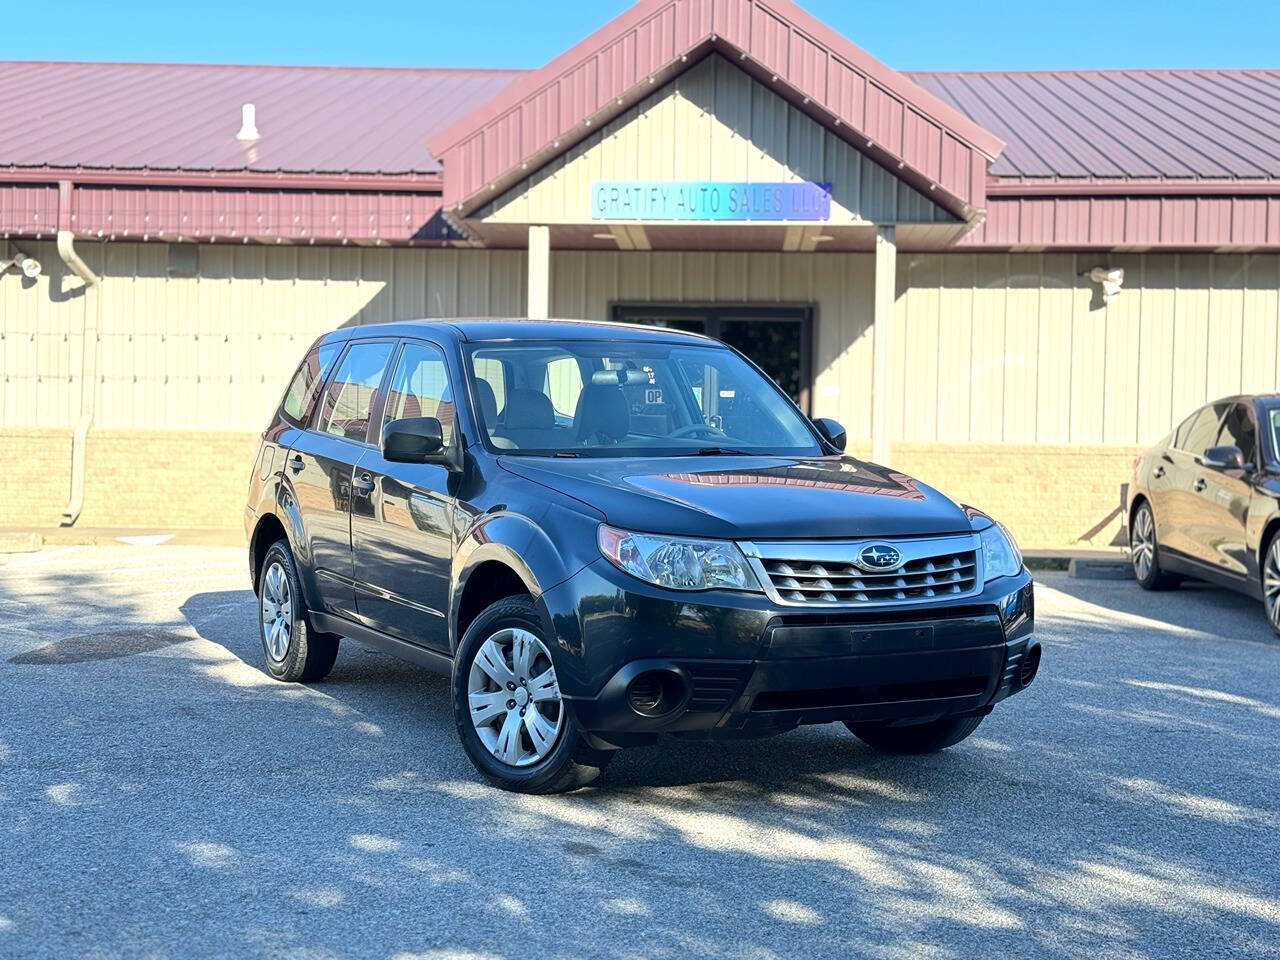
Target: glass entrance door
{"points": [[777, 339]]}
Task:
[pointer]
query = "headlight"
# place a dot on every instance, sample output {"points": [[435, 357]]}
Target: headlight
{"points": [[678, 563], [1000, 556]]}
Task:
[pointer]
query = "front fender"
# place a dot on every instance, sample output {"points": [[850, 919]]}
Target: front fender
{"points": [[542, 553]]}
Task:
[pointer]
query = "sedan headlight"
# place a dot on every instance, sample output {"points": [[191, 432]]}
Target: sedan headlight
{"points": [[678, 563], [1000, 555]]}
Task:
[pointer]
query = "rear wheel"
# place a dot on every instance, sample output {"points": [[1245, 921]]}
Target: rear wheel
{"points": [[1144, 551], [293, 651], [1271, 582], [917, 738], [512, 721]]}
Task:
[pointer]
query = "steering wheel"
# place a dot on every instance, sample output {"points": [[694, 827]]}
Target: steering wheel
{"points": [[697, 428]]}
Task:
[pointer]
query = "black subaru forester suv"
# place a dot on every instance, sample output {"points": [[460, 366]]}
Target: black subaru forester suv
{"points": [[605, 533]]}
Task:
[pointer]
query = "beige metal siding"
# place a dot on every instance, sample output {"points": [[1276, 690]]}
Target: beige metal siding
{"points": [[714, 123], [990, 348], [1048, 363], [40, 324]]}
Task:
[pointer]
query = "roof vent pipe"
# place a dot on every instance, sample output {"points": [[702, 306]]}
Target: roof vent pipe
{"points": [[248, 123]]}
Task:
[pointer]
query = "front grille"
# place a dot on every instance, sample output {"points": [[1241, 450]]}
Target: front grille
{"points": [[824, 573]]}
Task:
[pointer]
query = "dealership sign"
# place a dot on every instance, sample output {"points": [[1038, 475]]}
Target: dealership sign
{"points": [[709, 200]]}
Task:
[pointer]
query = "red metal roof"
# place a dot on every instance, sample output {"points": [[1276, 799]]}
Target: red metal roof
{"points": [[185, 117], [1124, 123]]}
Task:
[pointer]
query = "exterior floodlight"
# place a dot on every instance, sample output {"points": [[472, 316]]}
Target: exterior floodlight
{"points": [[29, 266], [1111, 280]]}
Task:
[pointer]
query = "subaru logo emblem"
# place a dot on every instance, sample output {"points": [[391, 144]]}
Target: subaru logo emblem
{"points": [[878, 557]]}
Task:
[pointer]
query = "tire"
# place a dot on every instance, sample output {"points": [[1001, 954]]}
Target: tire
{"points": [[1271, 582], [918, 738], [1144, 551], [293, 652], [486, 669]]}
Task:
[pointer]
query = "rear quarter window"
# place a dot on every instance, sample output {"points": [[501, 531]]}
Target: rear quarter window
{"points": [[300, 395]]}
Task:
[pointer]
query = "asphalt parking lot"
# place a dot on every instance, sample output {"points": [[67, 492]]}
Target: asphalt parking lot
{"points": [[163, 798]]}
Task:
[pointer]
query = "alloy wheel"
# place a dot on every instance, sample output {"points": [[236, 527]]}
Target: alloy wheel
{"points": [[514, 698], [277, 612], [1142, 542], [1271, 583]]}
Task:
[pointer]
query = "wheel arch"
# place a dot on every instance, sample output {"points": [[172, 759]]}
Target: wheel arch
{"points": [[1269, 533], [266, 531], [1138, 500], [504, 555]]}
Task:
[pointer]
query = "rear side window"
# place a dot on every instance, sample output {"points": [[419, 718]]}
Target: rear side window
{"points": [[563, 384], [344, 412], [420, 388], [305, 385], [1239, 430], [494, 374]]}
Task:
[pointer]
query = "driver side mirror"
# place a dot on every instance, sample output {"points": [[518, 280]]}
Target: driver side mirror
{"points": [[832, 432], [1223, 458], [415, 440]]}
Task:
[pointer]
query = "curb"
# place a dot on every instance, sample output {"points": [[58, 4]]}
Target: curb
{"points": [[20, 542]]}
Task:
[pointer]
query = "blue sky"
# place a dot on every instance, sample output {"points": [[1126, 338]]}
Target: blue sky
{"points": [[930, 34]]}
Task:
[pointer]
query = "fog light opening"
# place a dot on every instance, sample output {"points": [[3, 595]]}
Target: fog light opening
{"points": [[656, 693], [1030, 666]]}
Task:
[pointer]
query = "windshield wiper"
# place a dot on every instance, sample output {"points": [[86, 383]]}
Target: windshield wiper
{"points": [[568, 454], [723, 452]]}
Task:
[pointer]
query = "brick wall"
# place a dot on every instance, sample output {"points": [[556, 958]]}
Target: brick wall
{"points": [[35, 476], [166, 478], [1049, 496]]}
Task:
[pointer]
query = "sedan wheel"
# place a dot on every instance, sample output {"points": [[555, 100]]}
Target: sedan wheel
{"points": [[1144, 552], [1142, 543], [514, 698], [1271, 584]]}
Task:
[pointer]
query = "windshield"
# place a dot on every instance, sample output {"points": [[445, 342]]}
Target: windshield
{"points": [[630, 398]]}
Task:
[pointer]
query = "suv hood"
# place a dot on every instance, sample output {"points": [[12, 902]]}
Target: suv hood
{"points": [[735, 497]]}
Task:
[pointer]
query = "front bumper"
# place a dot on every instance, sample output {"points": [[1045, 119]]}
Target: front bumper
{"points": [[738, 666]]}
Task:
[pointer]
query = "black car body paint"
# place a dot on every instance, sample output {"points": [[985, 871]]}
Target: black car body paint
{"points": [[393, 554]]}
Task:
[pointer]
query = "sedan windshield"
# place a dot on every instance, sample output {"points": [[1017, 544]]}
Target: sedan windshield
{"points": [[630, 398]]}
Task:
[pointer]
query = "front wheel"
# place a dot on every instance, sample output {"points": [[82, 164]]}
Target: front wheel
{"points": [[1144, 551], [512, 721], [917, 738], [1271, 583]]}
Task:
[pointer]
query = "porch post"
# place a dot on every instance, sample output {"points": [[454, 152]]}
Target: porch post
{"points": [[539, 272], [882, 342]]}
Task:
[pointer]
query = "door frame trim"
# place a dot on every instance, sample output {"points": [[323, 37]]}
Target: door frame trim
{"points": [[713, 313]]}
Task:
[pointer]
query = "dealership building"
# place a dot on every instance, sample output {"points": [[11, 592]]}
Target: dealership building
{"points": [[1003, 283]]}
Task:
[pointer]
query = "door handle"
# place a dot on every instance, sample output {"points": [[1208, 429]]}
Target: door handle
{"points": [[363, 484], [1199, 485], [1157, 473], [295, 463]]}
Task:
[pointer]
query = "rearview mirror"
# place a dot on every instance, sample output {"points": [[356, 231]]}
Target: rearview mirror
{"points": [[413, 440], [1223, 458], [832, 432]]}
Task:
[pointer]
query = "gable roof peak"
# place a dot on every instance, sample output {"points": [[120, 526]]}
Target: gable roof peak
{"points": [[654, 40]]}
